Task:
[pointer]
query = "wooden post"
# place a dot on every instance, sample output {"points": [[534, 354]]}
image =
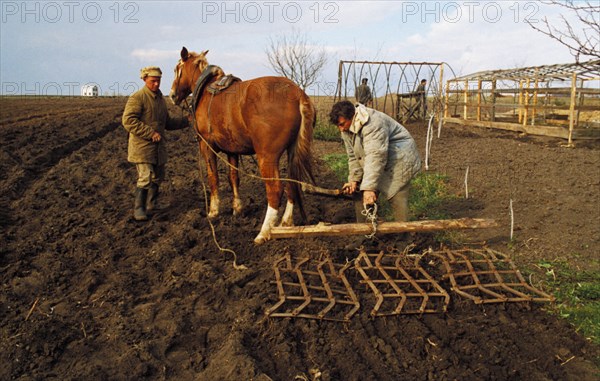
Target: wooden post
{"points": [[520, 101], [493, 116], [579, 103], [546, 101], [466, 98], [535, 100], [441, 93], [572, 107], [526, 102], [479, 100], [446, 106], [344, 230], [338, 96]]}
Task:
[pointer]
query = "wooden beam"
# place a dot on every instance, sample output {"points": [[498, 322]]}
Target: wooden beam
{"points": [[544, 130], [558, 132], [323, 229], [313, 189]]}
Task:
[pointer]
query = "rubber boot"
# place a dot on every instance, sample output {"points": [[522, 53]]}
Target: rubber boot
{"points": [[139, 212], [152, 197]]}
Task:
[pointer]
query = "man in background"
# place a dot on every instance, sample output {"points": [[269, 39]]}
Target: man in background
{"points": [[363, 93], [421, 94]]}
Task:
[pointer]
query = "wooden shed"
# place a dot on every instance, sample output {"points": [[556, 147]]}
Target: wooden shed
{"points": [[560, 100]]}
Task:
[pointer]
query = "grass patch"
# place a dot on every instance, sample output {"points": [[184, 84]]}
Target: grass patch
{"points": [[338, 163], [429, 191], [577, 296], [326, 131]]}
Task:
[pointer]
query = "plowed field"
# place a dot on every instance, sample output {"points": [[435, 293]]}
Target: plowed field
{"points": [[89, 294]]}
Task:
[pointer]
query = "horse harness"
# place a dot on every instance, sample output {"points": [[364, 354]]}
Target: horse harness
{"points": [[214, 88]]}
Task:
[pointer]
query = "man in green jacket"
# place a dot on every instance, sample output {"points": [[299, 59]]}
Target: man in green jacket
{"points": [[146, 118]]}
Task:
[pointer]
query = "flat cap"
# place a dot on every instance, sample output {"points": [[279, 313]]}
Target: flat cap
{"points": [[150, 71]]}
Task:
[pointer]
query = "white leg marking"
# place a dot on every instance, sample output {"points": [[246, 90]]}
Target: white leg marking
{"points": [[237, 206], [269, 222], [288, 215], [214, 206]]}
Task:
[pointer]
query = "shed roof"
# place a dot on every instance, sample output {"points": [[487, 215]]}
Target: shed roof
{"points": [[562, 72]]}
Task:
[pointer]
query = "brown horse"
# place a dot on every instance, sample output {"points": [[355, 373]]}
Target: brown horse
{"points": [[264, 116]]}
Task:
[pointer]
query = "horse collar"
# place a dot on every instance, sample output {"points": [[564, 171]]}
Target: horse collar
{"points": [[206, 75]]}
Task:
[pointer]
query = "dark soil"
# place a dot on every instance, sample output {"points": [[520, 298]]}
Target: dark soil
{"points": [[89, 294]]}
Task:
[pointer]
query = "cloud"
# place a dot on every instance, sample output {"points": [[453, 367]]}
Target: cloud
{"points": [[477, 40], [468, 35]]}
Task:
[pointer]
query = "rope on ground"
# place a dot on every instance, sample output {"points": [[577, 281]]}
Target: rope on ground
{"points": [[214, 235], [212, 226]]}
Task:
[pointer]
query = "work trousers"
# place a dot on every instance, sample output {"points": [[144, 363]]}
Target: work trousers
{"points": [[398, 203], [149, 174]]}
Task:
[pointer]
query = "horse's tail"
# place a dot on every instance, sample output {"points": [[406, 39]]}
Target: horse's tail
{"points": [[299, 154]]}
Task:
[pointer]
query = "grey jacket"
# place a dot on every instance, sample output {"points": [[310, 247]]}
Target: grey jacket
{"points": [[382, 155]]}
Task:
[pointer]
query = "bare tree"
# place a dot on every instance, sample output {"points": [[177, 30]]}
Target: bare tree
{"points": [[294, 57], [581, 35]]}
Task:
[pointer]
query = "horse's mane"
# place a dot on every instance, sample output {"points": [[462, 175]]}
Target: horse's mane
{"points": [[202, 63]]}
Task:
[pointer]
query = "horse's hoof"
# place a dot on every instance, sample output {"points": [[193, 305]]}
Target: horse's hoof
{"points": [[260, 239], [237, 208]]}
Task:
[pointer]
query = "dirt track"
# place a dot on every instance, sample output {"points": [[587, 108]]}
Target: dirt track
{"points": [[87, 293]]}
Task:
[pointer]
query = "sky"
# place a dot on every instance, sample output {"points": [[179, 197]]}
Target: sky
{"points": [[55, 47]]}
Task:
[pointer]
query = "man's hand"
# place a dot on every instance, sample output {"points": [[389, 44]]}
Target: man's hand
{"points": [[156, 137], [369, 197], [350, 188]]}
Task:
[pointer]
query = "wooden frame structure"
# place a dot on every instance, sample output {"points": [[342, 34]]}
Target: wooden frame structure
{"points": [[394, 86], [553, 100]]}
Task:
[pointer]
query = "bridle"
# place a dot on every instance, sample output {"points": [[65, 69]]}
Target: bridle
{"points": [[191, 109], [185, 106]]}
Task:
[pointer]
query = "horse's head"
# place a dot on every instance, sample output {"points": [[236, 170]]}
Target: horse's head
{"points": [[187, 71]]}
